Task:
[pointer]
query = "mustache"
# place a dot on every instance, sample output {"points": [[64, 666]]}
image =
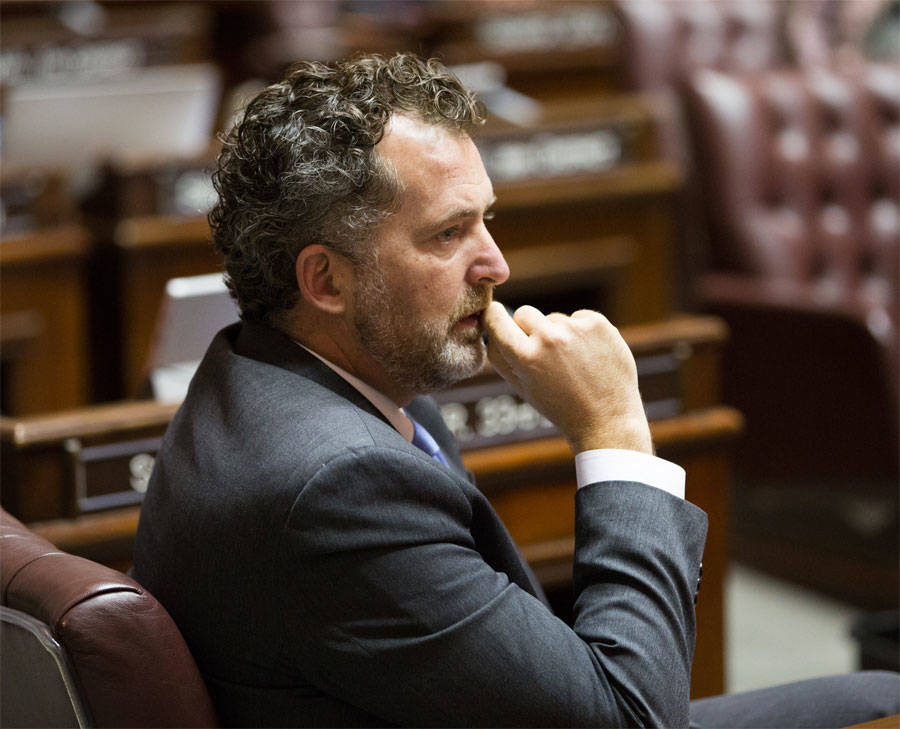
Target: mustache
{"points": [[473, 300]]}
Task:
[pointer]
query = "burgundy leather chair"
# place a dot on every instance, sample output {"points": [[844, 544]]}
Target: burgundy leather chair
{"points": [[756, 208], [799, 173], [665, 41], [85, 645]]}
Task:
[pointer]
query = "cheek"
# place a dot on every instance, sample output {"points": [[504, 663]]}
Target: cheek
{"points": [[441, 295], [428, 291]]}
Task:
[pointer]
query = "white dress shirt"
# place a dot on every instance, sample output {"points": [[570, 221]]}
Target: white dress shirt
{"points": [[593, 466]]}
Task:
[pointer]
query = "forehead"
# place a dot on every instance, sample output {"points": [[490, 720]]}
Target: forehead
{"points": [[440, 169]]}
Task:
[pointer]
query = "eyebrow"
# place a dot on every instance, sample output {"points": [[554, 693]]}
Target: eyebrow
{"points": [[458, 214]]}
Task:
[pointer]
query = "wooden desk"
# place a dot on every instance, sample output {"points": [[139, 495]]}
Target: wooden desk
{"points": [[888, 722], [150, 251], [592, 197], [549, 50], [150, 222], [79, 463], [43, 304], [530, 484]]}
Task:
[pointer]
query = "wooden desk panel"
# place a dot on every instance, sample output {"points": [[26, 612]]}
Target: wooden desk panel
{"points": [[611, 186], [888, 722], [41, 455], [644, 290], [548, 50], [43, 311], [148, 252]]}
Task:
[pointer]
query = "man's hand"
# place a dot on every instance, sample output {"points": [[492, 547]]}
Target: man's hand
{"points": [[577, 370]]}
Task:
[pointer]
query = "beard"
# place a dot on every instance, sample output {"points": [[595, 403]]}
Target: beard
{"points": [[420, 356]]}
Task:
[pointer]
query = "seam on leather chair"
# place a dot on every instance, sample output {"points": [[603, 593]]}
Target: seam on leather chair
{"points": [[36, 579], [8, 579]]}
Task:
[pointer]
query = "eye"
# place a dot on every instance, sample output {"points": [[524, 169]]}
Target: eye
{"points": [[445, 236]]}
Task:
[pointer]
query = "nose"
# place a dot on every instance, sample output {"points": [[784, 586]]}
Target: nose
{"points": [[489, 265]]}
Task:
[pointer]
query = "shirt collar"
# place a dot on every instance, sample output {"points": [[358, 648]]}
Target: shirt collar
{"points": [[387, 407]]}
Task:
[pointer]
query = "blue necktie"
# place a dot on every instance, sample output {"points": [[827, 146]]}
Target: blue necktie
{"points": [[422, 439]]}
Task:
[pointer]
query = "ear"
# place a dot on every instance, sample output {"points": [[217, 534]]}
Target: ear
{"points": [[324, 277]]}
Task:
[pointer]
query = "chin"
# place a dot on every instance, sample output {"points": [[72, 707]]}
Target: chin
{"points": [[464, 359]]}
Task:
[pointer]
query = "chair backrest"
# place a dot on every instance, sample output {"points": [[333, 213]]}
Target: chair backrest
{"points": [[800, 172], [800, 175], [85, 645], [665, 41]]}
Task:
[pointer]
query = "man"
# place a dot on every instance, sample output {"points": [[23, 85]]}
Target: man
{"points": [[309, 524]]}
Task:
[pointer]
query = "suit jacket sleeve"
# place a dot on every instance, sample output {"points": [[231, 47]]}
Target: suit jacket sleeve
{"points": [[392, 607]]}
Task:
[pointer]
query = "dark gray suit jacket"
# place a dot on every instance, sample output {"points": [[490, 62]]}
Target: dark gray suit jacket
{"points": [[326, 572]]}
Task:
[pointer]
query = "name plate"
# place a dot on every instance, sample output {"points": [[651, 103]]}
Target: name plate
{"points": [[81, 42], [177, 189], [487, 412], [111, 475], [553, 154], [86, 60], [32, 201], [184, 192], [570, 28], [490, 413]]}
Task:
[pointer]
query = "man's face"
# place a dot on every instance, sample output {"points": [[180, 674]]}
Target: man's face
{"points": [[417, 309]]}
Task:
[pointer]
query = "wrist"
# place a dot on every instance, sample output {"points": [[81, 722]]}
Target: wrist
{"points": [[629, 434]]}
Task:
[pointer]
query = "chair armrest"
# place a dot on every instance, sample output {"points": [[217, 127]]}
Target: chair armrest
{"points": [[812, 301]]}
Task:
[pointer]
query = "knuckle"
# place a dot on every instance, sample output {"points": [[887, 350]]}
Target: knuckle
{"points": [[556, 336]]}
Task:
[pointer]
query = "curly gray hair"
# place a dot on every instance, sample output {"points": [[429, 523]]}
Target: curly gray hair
{"points": [[301, 167]]}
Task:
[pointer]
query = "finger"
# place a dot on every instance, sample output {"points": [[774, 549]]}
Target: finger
{"points": [[505, 338], [501, 327], [557, 318], [589, 315], [586, 314], [502, 366], [528, 318]]}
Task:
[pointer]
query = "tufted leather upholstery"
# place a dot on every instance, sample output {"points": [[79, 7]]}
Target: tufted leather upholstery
{"points": [[665, 41], [131, 665], [799, 172]]}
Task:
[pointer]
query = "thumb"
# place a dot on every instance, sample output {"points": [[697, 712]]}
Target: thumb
{"points": [[505, 340], [502, 328]]}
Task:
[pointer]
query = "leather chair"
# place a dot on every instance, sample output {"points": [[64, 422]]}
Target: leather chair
{"points": [[727, 69], [799, 173], [85, 645], [665, 41]]}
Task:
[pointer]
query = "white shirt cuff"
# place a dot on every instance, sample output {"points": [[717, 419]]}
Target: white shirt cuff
{"points": [[610, 464]]}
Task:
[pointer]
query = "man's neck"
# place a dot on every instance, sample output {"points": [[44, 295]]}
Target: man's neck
{"points": [[334, 344]]}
